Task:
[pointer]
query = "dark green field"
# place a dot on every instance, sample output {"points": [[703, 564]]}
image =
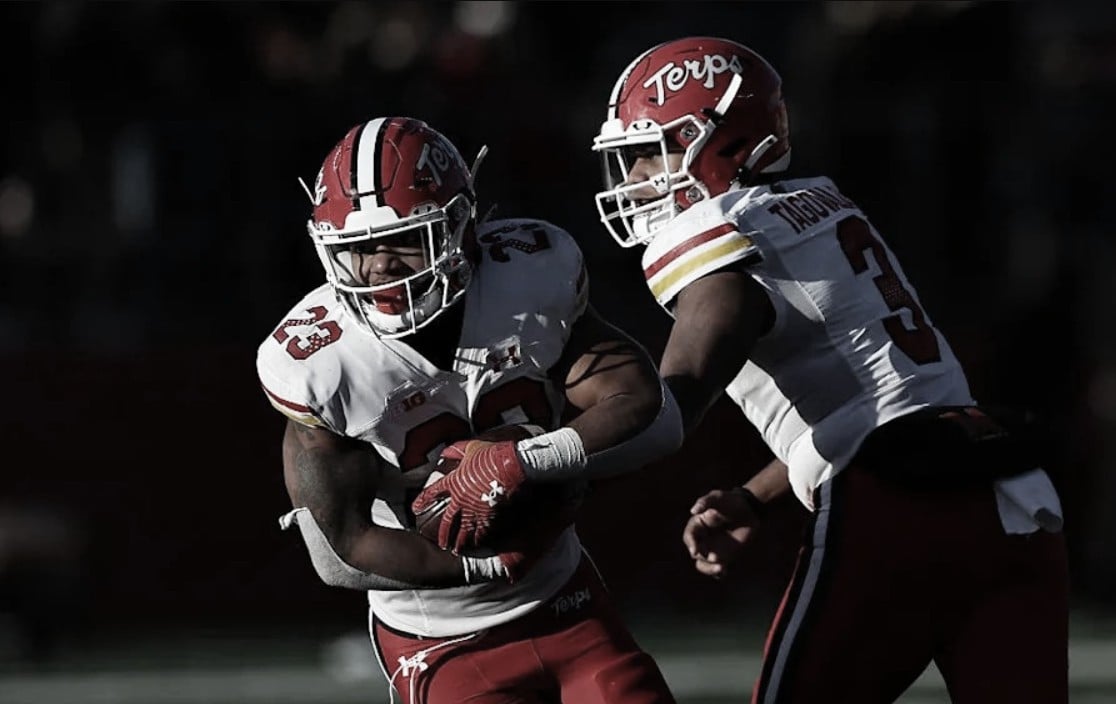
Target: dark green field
{"points": [[704, 664]]}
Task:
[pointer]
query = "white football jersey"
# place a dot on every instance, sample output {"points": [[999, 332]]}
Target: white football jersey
{"points": [[851, 347], [322, 369]]}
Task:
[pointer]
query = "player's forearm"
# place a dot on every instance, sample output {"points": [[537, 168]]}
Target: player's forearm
{"points": [[618, 434], [614, 420], [374, 557], [332, 484], [406, 557]]}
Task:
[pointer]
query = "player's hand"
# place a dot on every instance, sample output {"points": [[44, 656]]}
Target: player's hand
{"points": [[488, 476], [523, 546], [515, 558], [518, 559], [721, 524]]}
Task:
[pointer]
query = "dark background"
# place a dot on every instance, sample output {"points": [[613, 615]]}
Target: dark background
{"points": [[152, 234]]}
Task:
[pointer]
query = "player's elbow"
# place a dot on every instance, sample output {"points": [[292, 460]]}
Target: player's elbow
{"points": [[333, 562]]}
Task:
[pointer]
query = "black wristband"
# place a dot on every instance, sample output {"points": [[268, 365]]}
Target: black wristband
{"points": [[758, 507]]}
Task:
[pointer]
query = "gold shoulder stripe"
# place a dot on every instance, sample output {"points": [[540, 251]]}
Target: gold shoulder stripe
{"points": [[667, 281]]}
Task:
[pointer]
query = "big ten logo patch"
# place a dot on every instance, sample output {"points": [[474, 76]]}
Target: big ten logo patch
{"points": [[411, 397], [410, 403], [565, 603]]}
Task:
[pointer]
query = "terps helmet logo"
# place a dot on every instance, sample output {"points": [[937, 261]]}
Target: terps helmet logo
{"points": [[435, 158], [673, 77]]}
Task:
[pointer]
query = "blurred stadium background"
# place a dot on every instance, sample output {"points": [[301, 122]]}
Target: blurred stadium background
{"points": [[151, 234]]}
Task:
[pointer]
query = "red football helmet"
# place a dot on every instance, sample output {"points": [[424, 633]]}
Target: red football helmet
{"points": [[716, 102], [392, 177]]}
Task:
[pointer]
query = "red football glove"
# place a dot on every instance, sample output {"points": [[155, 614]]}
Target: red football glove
{"points": [[488, 476]]}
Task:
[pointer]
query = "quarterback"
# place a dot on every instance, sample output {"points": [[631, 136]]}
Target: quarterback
{"points": [[432, 328], [934, 536]]}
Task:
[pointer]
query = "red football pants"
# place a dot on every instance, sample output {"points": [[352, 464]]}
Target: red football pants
{"points": [[573, 649], [889, 578]]}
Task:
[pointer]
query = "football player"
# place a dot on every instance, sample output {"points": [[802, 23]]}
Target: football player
{"points": [[431, 328], [934, 536]]}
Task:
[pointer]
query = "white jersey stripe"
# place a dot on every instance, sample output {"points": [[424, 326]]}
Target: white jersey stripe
{"points": [[802, 603]]}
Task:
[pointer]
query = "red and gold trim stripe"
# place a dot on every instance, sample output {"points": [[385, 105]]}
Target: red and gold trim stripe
{"points": [[682, 269], [294, 411], [665, 260]]}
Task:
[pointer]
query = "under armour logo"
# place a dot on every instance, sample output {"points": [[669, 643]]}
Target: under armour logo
{"points": [[415, 664], [490, 497]]}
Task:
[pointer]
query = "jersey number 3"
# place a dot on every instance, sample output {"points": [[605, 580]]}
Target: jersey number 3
{"points": [[920, 343]]}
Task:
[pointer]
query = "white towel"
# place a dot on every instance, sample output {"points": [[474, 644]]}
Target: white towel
{"points": [[1028, 502]]}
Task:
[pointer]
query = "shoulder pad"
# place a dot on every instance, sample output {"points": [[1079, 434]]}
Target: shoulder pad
{"points": [[538, 254]]}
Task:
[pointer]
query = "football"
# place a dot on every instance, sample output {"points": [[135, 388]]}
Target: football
{"points": [[558, 500]]}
